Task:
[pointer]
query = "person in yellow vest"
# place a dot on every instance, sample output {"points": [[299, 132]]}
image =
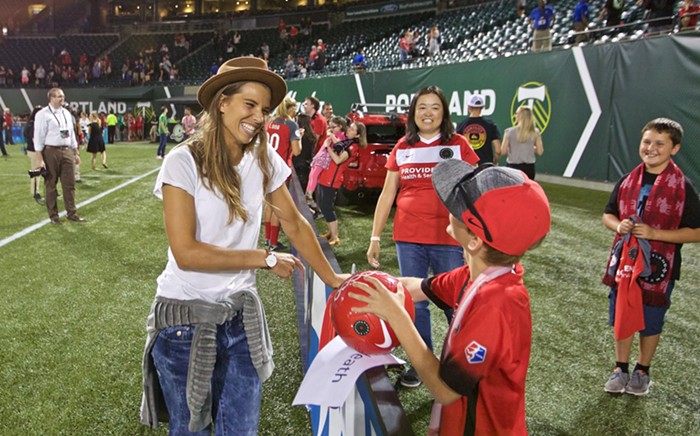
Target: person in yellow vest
{"points": [[111, 126]]}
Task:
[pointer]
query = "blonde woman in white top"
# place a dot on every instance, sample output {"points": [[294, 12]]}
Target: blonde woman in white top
{"points": [[522, 142]]}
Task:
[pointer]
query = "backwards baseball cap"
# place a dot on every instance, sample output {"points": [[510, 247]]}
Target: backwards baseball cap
{"points": [[502, 206], [476, 100]]}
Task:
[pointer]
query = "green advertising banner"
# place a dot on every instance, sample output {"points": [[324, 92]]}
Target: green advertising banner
{"points": [[141, 100], [590, 103]]}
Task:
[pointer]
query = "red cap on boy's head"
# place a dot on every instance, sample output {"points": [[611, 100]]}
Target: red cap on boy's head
{"points": [[502, 206]]}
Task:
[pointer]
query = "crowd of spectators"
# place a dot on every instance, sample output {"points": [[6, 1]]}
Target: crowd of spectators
{"points": [[63, 68], [149, 66], [412, 45], [59, 70], [153, 65]]}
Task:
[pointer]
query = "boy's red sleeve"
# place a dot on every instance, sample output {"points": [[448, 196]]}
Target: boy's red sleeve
{"points": [[445, 289]]}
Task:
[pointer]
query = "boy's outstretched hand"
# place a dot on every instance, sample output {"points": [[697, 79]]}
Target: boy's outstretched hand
{"points": [[385, 304]]}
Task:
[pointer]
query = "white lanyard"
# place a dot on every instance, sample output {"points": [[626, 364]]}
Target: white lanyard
{"points": [[489, 274]]}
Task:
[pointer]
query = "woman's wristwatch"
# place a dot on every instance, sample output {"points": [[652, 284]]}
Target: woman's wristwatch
{"points": [[270, 259]]}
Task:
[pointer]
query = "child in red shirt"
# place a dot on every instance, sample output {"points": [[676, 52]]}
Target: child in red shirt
{"points": [[496, 214]]}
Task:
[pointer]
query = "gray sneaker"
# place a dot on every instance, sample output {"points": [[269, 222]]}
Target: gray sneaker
{"points": [[638, 384], [617, 382]]}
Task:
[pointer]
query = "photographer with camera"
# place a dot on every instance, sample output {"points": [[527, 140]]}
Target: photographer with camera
{"points": [[57, 151]]}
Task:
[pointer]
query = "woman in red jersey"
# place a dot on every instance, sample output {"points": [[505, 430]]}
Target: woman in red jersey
{"points": [[283, 136], [421, 219]]}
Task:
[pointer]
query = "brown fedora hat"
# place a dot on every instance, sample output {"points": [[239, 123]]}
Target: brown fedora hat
{"points": [[243, 69]]}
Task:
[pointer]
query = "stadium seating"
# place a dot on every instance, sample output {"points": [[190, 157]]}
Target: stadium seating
{"points": [[68, 15], [477, 32], [17, 52]]}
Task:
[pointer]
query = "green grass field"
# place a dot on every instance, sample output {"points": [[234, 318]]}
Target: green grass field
{"points": [[75, 299]]}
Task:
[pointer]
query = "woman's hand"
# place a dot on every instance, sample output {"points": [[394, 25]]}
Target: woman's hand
{"points": [[373, 254], [286, 264]]}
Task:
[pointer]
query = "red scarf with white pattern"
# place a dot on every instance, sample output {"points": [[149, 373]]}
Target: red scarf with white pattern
{"points": [[663, 210]]}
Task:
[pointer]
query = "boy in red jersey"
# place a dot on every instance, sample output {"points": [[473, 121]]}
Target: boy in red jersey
{"points": [[496, 214]]}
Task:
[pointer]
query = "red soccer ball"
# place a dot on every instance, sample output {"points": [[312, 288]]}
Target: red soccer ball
{"points": [[365, 332]]}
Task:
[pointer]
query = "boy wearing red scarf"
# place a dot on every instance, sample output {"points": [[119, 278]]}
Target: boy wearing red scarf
{"points": [[654, 206]]}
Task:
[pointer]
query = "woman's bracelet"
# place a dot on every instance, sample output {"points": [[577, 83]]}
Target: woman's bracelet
{"points": [[618, 227], [375, 238]]}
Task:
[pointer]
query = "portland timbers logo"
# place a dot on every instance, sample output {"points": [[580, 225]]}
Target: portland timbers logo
{"points": [[534, 95], [659, 268], [446, 153], [361, 327]]}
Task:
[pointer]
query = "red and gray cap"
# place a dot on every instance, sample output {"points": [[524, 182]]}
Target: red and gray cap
{"points": [[502, 206]]}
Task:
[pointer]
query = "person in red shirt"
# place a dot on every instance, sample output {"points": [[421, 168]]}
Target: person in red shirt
{"points": [[689, 15], [319, 124], [139, 127], [283, 136], [430, 139], [293, 34], [497, 214], [313, 54], [331, 178], [405, 47], [8, 126]]}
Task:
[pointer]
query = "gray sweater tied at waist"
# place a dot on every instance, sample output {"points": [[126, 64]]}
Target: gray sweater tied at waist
{"points": [[205, 317]]}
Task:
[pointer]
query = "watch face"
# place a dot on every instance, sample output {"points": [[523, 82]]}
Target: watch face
{"points": [[271, 260]]}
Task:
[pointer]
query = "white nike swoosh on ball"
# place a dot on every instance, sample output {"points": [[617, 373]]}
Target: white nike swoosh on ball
{"points": [[387, 338]]}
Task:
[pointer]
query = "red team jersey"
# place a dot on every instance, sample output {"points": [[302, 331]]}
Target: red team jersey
{"points": [[280, 134], [420, 215], [333, 176], [319, 125], [485, 357]]}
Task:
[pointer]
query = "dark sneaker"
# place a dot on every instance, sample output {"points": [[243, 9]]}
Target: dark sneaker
{"points": [[410, 378], [38, 199], [617, 382], [638, 384], [279, 247], [56, 221]]}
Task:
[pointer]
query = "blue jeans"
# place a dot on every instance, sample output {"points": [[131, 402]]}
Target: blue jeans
{"points": [[163, 143], [415, 260], [236, 387]]}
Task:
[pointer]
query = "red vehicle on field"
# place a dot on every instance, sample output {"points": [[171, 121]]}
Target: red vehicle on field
{"points": [[366, 173]]}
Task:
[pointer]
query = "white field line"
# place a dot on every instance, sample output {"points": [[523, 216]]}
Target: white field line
{"points": [[82, 176], [41, 224]]}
